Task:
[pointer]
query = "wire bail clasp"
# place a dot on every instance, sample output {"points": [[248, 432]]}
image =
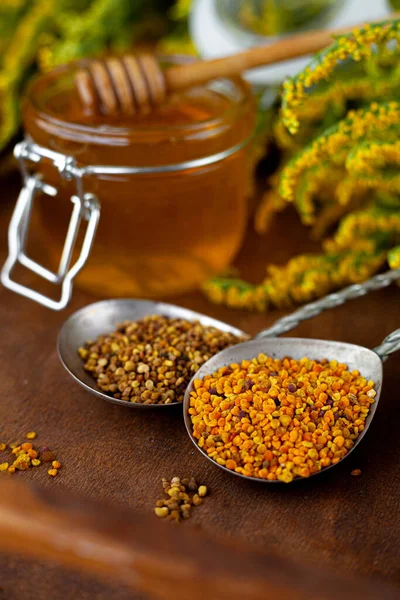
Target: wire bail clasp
{"points": [[85, 206]]}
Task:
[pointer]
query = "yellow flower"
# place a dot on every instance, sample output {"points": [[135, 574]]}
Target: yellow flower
{"points": [[356, 45], [378, 121], [394, 258]]}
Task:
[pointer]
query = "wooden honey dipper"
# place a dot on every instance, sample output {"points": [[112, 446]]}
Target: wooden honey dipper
{"points": [[135, 83]]}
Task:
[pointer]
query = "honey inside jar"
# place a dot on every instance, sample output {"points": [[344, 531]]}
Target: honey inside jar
{"points": [[159, 232]]}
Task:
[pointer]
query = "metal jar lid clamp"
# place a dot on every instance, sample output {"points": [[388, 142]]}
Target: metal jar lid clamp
{"points": [[86, 207]]}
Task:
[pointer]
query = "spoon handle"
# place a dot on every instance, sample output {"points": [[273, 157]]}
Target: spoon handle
{"points": [[336, 299], [390, 344]]}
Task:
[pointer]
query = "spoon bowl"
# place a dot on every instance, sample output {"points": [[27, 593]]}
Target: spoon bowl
{"points": [[355, 357], [102, 317]]}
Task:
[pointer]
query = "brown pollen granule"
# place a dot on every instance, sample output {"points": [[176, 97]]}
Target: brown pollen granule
{"points": [[182, 495], [279, 419], [151, 361], [356, 472]]}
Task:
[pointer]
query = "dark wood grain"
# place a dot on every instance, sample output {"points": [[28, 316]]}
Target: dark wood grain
{"points": [[336, 521], [166, 562]]}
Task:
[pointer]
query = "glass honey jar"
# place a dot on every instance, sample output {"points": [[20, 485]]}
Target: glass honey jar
{"points": [[165, 190]]}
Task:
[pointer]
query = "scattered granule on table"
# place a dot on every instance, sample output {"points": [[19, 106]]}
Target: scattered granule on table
{"points": [[280, 419], [47, 455], [356, 472], [151, 361], [23, 456], [182, 496]]}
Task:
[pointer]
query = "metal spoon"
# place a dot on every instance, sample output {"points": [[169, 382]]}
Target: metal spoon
{"points": [[368, 362], [102, 317]]}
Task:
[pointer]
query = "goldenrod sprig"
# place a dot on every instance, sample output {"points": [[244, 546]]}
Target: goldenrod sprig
{"points": [[358, 45]]}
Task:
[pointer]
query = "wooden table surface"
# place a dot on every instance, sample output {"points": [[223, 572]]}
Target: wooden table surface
{"points": [[336, 520]]}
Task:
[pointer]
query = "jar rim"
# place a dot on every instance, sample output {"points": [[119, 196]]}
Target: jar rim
{"points": [[237, 105]]}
